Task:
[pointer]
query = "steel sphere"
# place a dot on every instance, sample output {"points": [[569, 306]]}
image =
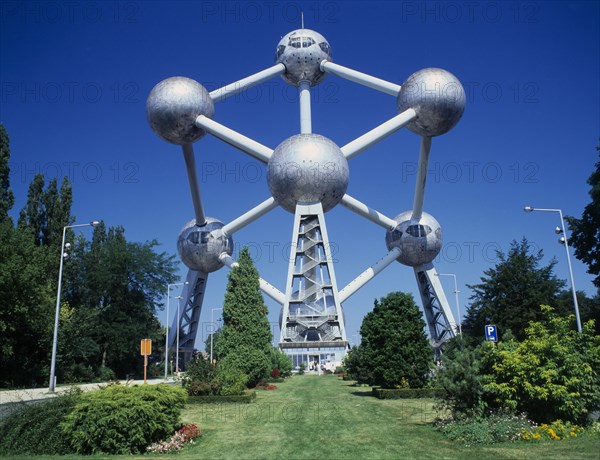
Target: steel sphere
{"points": [[173, 106], [419, 240], [301, 52], [438, 98], [200, 247], [307, 168]]}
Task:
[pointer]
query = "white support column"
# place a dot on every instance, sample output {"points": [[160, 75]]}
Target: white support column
{"points": [[305, 111], [265, 286], [245, 83], [421, 177], [249, 217], [368, 213], [245, 144], [370, 273], [361, 78], [190, 166], [365, 141]]}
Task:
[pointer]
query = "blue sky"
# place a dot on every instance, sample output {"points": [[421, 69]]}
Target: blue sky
{"points": [[74, 79]]}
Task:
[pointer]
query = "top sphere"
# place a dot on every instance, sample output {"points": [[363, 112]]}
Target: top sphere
{"points": [[173, 106], [438, 98], [302, 51]]}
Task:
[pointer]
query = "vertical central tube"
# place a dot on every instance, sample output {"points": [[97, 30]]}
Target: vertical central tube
{"points": [[305, 114], [421, 177], [190, 166]]}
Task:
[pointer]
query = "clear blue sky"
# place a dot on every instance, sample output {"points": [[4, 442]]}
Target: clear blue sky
{"points": [[74, 79]]}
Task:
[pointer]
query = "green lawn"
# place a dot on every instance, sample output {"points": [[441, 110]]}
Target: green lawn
{"points": [[324, 417]]}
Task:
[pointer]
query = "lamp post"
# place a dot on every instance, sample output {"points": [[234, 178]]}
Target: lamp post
{"points": [[212, 333], [169, 286], [52, 385], [563, 240], [456, 291], [177, 339]]}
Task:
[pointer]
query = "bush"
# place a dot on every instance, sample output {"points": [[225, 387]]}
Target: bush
{"points": [[123, 420], [35, 429], [196, 388], [275, 373], [232, 381], [250, 361], [282, 362], [485, 430], [200, 369], [106, 374]]}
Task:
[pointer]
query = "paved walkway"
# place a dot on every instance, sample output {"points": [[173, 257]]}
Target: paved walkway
{"points": [[37, 394]]}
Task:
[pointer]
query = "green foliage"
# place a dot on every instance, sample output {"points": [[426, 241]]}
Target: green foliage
{"points": [[200, 369], [552, 374], [123, 420], [250, 361], [282, 362], [36, 429], [232, 381], [585, 232], [460, 379], [510, 293], [245, 342], [497, 427], [357, 366], [203, 388], [7, 198], [394, 347]]}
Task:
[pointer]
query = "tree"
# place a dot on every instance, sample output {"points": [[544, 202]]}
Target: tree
{"points": [[394, 347], [511, 293], [245, 341], [7, 198], [585, 232], [551, 374], [460, 377]]}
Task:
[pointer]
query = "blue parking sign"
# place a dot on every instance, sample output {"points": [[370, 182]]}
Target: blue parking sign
{"points": [[491, 333]]}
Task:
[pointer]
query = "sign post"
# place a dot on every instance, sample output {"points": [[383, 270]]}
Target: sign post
{"points": [[146, 349], [491, 333]]}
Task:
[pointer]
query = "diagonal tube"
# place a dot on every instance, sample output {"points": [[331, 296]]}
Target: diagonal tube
{"points": [[190, 166], [231, 137]]}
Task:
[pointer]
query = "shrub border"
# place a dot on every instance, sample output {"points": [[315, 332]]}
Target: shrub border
{"points": [[246, 398], [407, 393]]}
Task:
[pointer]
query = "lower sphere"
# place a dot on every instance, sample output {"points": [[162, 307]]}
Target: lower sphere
{"points": [[419, 240], [199, 247]]}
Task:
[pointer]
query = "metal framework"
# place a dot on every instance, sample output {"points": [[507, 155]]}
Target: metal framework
{"points": [[429, 103]]}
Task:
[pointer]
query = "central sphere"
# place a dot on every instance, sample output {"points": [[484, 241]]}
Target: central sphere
{"points": [[307, 168], [301, 52]]}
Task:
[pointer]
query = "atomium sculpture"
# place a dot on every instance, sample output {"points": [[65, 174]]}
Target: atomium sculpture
{"points": [[429, 103]]}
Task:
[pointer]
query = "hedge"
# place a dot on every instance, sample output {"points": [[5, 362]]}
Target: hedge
{"points": [[246, 398], [407, 393]]}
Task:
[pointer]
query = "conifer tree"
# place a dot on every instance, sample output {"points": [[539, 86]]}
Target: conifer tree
{"points": [[245, 342]]}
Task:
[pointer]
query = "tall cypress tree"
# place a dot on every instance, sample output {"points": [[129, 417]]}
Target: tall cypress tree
{"points": [[245, 342]]}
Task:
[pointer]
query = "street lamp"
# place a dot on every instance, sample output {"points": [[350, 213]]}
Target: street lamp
{"points": [[169, 286], [212, 333], [55, 339], [563, 240], [178, 327], [456, 291]]}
